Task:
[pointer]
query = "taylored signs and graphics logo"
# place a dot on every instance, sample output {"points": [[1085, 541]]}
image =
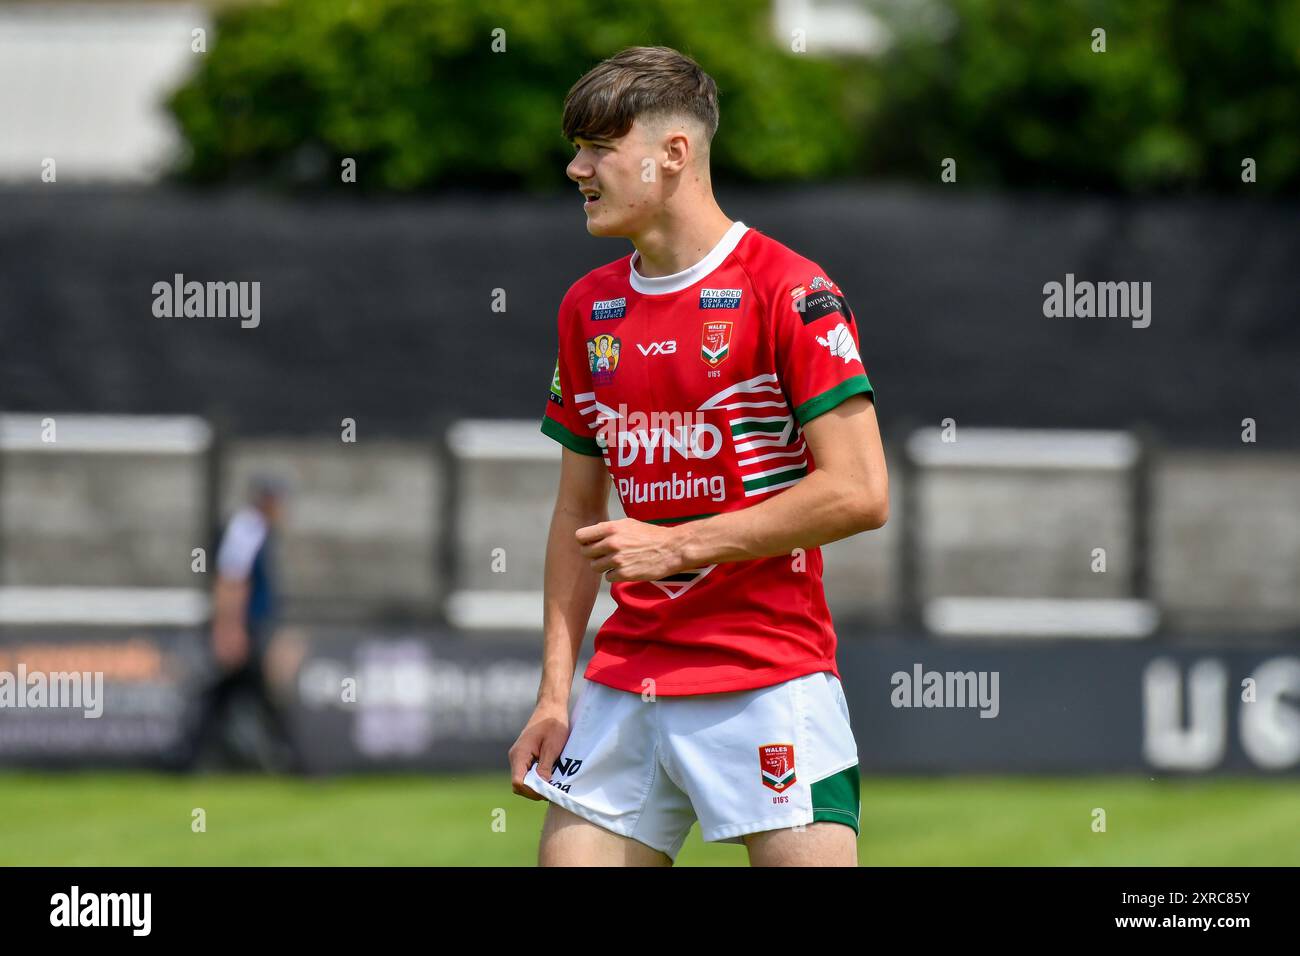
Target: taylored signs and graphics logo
{"points": [[602, 353], [720, 298], [715, 344], [776, 761], [608, 309]]}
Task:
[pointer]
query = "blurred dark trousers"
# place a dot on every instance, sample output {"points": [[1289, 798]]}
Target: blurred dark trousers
{"points": [[239, 725]]}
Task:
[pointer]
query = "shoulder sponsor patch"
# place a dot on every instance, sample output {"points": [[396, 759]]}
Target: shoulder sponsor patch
{"points": [[818, 299], [556, 395], [608, 309], [720, 298]]}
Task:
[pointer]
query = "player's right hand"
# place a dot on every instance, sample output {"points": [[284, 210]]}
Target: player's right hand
{"points": [[541, 742]]}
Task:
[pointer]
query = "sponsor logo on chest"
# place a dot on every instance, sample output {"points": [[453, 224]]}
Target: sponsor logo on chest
{"points": [[658, 348], [608, 309], [720, 298]]}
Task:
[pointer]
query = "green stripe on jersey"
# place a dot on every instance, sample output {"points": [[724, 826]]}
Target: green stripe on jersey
{"points": [[785, 474], [583, 446], [744, 428]]}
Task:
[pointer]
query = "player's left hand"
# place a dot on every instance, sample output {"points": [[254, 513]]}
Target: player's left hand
{"points": [[631, 550]]}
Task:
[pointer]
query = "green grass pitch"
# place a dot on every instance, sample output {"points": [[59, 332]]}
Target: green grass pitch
{"points": [[141, 819]]}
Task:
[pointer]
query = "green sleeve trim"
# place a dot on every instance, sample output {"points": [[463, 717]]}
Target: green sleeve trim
{"points": [[832, 397], [583, 446]]}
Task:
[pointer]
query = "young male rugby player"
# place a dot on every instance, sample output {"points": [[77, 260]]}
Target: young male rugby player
{"points": [[715, 376]]}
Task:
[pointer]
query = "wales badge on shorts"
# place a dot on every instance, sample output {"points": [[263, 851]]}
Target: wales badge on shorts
{"points": [[776, 762]]}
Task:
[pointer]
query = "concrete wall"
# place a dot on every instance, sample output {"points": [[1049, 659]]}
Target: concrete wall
{"points": [[362, 527], [506, 505], [1226, 540], [993, 533], [364, 536], [90, 519]]}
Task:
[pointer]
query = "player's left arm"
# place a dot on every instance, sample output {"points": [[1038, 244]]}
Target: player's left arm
{"points": [[848, 492]]}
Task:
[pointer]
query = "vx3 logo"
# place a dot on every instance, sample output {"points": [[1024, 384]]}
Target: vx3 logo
{"points": [[659, 348]]}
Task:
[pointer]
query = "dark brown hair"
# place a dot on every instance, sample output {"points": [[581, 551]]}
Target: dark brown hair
{"points": [[640, 81]]}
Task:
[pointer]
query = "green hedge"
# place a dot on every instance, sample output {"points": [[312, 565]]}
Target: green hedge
{"points": [[413, 91]]}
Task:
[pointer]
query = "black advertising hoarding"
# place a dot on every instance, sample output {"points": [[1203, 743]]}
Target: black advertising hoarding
{"points": [[74, 697], [1076, 706], [363, 699], [455, 702], [409, 700]]}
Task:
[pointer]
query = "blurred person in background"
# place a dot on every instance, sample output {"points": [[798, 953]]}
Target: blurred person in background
{"points": [[239, 716]]}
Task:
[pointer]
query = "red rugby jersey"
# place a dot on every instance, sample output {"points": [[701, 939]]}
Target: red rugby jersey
{"points": [[693, 388]]}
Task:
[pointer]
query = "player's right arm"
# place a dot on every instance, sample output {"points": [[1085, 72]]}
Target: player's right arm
{"points": [[229, 611], [569, 594], [571, 584]]}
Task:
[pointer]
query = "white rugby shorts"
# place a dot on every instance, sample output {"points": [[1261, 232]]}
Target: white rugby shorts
{"points": [[739, 762]]}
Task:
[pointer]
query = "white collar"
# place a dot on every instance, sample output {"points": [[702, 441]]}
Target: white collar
{"points": [[660, 285]]}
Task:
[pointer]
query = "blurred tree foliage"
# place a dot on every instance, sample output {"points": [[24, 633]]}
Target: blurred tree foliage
{"points": [[412, 90], [1184, 91], [415, 93]]}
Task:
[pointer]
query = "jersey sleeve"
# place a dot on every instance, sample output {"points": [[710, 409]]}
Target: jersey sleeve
{"points": [[570, 391], [816, 344]]}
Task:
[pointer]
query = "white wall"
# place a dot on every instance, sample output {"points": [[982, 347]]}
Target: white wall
{"points": [[84, 84]]}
